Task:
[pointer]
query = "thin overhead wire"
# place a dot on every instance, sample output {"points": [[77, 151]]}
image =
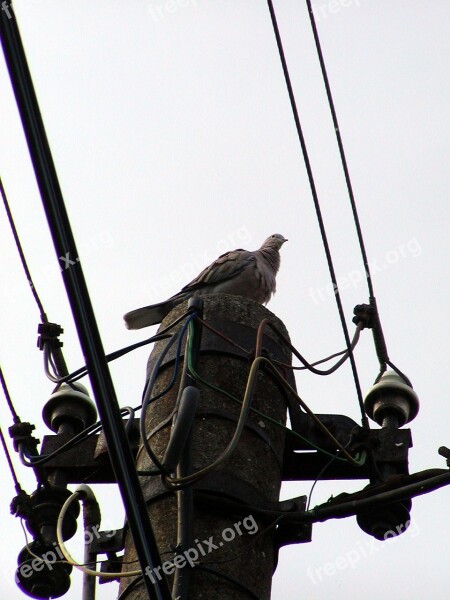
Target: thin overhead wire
{"points": [[9, 401], [377, 330], [11, 466], [341, 149], [364, 419], [22, 255]]}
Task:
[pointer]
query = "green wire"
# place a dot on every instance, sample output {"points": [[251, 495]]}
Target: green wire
{"points": [[360, 459]]}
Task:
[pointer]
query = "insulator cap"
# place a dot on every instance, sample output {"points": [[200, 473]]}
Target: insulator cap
{"points": [[47, 503], [387, 521], [391, 396], [69, 403], [46, 579]]}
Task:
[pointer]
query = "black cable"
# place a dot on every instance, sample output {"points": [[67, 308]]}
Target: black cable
{"points": [[11, 466], [322, 471], [348, 508], [147, 399], [231, 580], [185, 497], [55, 351], [255, 537], [402, 375], [120, 454], [319, 475], [364, 419], [341, 148], [139, 580], [82, 371], [22, 255], [9, 402], [378, 332], [75, 441]]}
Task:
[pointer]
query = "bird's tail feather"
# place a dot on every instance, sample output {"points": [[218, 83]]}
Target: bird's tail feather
{"points": [[149, 315]]}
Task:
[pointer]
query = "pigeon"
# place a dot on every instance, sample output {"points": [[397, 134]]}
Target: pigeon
{"points": [[238, 272]]}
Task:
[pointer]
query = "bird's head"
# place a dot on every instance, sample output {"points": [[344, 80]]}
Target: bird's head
{"points": [[276, 240]]}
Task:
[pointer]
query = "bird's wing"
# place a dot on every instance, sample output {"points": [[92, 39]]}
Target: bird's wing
{"points": [[227, 266]]}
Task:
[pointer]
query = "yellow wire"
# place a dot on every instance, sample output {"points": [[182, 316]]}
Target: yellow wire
{"points": [[66, 553], [237, 434]]}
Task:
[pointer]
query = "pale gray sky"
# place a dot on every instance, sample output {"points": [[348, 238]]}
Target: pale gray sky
{"points": [[174, 140]]}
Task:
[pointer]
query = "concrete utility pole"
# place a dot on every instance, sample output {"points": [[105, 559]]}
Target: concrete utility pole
{"points": [[234, 557]]}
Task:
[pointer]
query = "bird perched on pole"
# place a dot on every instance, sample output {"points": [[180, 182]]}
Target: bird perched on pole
{"points": [[238, 272]]}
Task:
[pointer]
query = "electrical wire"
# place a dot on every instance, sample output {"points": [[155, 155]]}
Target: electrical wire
{"points": [[245, 408], [318, 422], [32, 461], [307, 365], [341, 149], [267, 418], [130, 421], [256, 536], [317, 479], [350, 506], [230, 579], [357, 462], [17, 485], [348, 182], [9, 401], [120, 453], [79, 494], [147, 399], [138, 581], [28, 544], [267, 323], [222, 335], [322, 471], [22, 255], [364, 420], [82, 371]]}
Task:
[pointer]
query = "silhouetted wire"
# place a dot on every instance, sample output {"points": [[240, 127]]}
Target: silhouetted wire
{"points": [[82, 371], [228, 578], [348, 181], [255, 536], [341, 148], [139, 580], [9, 401], [148, 390], [22, 255], [322, 471], [11, 466], [402, 375], [364, 419], [74, 441]]}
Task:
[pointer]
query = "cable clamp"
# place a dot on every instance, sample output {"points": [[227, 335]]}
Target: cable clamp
{"points": [[21, 434], [445, 452], [366, 315], [48, 334]]}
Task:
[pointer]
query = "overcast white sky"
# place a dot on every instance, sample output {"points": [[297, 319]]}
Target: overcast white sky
{"points": [[174, 140]]}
